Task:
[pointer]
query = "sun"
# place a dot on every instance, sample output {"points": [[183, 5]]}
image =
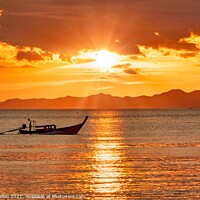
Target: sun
{"points": [[106, 59], [55, 57]]}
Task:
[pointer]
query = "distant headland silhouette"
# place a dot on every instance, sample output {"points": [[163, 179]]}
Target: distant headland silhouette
{"points": [[171, 99]]}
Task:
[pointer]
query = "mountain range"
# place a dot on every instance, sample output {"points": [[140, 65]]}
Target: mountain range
{"points": [[171, 99]]}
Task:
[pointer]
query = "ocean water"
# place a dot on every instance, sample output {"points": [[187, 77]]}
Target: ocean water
{"points": [[124, 154]]}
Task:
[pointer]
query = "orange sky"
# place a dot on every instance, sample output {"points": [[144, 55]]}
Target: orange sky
{"points": [[78, 48]]}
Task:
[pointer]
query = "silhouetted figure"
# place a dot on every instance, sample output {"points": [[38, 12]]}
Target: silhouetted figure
{"points": [[30, 125]]}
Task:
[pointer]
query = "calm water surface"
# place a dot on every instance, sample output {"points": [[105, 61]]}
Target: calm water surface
{"points": [[129, 154]]}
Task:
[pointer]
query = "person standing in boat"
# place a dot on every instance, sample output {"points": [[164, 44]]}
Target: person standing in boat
{"points": [[30, 125]]}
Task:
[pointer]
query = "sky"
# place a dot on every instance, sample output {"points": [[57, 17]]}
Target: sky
{"points": [[57, 48]]}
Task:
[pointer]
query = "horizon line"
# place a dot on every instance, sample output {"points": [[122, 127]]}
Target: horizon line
{"points": [[101, 93]]}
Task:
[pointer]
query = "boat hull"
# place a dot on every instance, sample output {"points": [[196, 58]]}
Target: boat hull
{"points": [[70, 130]]}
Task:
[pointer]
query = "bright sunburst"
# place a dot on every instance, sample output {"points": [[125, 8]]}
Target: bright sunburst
{"points": [[105, 60]]}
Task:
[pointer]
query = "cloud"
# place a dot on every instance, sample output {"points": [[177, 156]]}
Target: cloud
{"points": [[156, 33], [130, 71], [81, 60], [192, 39], [28, 55], [11, 53], [189, 55], [187, 47], [121, 65], [18, 66], [66, 57], [25, 66], [7, 51], [126, 68], [24, 57]]}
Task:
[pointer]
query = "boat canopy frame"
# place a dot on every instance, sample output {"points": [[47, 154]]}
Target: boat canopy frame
{"points": [[34, 127]]}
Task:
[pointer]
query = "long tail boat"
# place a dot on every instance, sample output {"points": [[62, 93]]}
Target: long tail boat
{"points": [[51, 129]]}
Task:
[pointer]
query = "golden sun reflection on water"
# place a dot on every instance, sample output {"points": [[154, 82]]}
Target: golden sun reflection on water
{"points": [[106, 172], [107, 157]]}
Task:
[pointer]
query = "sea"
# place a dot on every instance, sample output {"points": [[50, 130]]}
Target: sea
{"points": [[118, 154]]}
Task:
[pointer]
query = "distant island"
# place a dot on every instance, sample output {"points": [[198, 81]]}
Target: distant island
{"points": [[171, 99]]}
